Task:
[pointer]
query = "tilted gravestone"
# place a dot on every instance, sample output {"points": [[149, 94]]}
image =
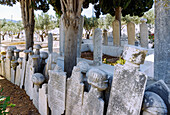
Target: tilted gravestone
{"points": [[75, 92], [131, 33], [97, 53], [93, 104], [116, 33], [57, 91], [144, 33], [128, 84]]}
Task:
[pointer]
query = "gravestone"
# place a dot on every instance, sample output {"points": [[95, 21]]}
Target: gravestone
{"points": [[18, 72], [161, 89], [79, 38], [97, 53], [50, 43], [57, 91], [128, 84], [131, 33], [37, 79], [144, 33], [3, 65], [43, 105], [105, 38], [13, 71], [75, 92], [8, 68], [116, 33], [153, 104], [62, 36], [93, 104], [162, 44]]}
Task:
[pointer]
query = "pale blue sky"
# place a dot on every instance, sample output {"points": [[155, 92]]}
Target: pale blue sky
{"points": [[15, 12]]}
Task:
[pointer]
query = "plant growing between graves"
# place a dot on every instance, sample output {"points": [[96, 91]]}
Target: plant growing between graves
{"points": [[120, 61], [4, 103]]}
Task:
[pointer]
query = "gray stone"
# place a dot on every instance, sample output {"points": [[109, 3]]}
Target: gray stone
{"points": [[144, 33], [161, 89], [24, 63], [84, 66], [8, 68], [75, 92], [97, 53], [162, 44], [35, 62], [3, 65], [62, 36], [18, 72], [116, 33], [131, 33], [128, 84], [17, 53], [93, 104], [105, 38], [153, 104], [50, 42], [37, 49], [79, 38], [43, 105], [57, 92], [37, 79]]}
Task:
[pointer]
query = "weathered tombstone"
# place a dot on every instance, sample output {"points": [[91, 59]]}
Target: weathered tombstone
{"points": [[79, 38], [43, 105], [153, 104], [57, 91], [50, 43], [18, 72], [13, 70], [75, 92], [128, 84], [24, 63], [162, 44], [37, 79], [97, 53], [62, 36], [93, 104], [8, 65], [43, 57], [116, 33], [131, 33], [3, 65], [144, 33], [161, 89], [37, 49], [105, 38]]}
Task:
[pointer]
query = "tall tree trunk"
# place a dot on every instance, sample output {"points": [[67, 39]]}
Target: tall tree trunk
{"points": [[42, 38], [118, 13], [28, 21], [18, 35], [70, 54], [71, 16]]}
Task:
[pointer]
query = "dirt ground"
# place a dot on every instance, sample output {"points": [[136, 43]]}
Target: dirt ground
{"points": [[24, 105], [89, 55]]}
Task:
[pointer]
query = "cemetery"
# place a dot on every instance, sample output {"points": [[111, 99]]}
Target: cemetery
{"points": [[70, 72]]}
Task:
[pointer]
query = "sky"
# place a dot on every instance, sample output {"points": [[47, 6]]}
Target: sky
{"points": [[14, 12]]}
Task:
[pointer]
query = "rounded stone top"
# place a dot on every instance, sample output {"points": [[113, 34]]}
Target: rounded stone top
{"points": [[27, 51], [143, 20], [17, 50], [84, 66], [135, 55], [35, 56], [44, 55], [11, 48], [38, 46], [38, 78], [19, 60], [97, 78]]}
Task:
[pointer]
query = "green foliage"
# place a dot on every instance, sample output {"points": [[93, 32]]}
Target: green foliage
{"points": [[120, 61], [4, 103], [132, 7]]}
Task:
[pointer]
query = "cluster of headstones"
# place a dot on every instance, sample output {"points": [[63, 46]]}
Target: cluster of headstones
{"points": [[89, 91], [130, 32]]}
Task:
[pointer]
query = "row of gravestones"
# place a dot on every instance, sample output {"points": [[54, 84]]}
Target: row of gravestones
{"points": [[130, 32], [88, 91]]}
